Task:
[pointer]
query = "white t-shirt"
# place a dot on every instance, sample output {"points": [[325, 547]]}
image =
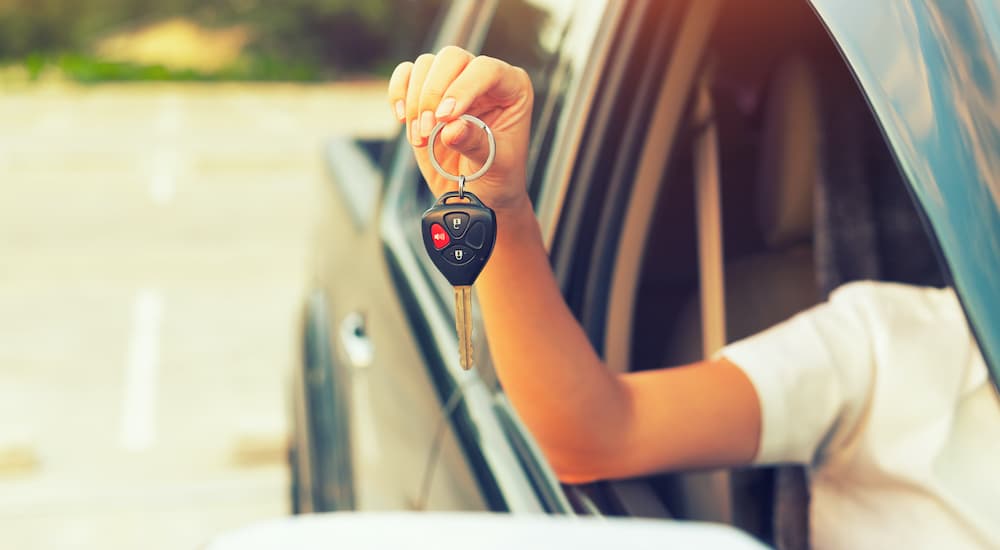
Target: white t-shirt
{"points": [[883, 393]]}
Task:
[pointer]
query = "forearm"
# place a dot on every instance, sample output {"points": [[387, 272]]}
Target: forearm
{"points": [[590, 422], [572, 404]]}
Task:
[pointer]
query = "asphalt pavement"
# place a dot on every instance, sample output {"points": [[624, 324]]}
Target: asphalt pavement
{"points": [[153, 250]]}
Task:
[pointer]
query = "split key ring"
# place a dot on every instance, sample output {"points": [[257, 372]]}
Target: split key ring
{"points": [[461, 179]]}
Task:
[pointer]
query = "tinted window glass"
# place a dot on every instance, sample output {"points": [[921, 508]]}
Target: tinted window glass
{"points": [[550, 39], [529, 35]]}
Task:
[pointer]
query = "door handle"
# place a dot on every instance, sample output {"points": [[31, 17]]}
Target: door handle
{"points": [[355, 341]]}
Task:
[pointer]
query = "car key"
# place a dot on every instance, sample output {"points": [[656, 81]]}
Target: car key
{"points": [[459, 237]]}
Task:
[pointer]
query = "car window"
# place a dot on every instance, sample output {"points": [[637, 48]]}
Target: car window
{"points": [[548, 23], [563, 34]]}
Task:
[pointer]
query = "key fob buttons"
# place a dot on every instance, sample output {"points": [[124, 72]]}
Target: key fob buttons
{"points": [[439, 236], [476, 236], [459, 255], [459, 236], [456, 222]]}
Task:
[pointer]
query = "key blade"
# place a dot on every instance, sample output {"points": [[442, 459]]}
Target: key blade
{"points": [[463, 324]]}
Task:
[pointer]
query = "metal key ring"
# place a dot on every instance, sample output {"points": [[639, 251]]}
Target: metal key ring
{"points": [[478, 173]]}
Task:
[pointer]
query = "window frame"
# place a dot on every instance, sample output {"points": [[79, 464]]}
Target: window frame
{"points": [[511, 472], [589, 264]]}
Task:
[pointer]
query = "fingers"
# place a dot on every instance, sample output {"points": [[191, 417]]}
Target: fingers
{"points": [[412, 102], [447, 65], [499, 83], [398, 84], [444, 86]]}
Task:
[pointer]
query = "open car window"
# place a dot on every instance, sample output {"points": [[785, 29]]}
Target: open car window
{"points": [[769, 107]]}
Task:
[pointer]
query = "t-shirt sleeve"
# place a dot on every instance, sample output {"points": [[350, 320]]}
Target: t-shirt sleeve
{"points": [[812, 374]]}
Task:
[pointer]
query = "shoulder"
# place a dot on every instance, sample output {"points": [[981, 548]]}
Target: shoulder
{"points": [[886, 291], [909, 330], [894, 301]]}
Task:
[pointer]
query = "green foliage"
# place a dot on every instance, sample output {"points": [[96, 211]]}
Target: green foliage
{"points": [[89, 69], [292, 39]]}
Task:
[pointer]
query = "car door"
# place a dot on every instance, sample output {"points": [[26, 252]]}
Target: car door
{"points": [[364, 409], [562, 46]]}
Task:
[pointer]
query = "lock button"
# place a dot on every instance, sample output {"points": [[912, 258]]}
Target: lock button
{"points": [[456, 223]]}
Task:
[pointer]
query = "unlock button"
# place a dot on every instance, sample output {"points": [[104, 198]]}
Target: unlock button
{"points": [[456, 222], [459, 255]]}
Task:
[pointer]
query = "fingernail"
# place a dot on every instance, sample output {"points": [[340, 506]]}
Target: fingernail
{"points": [[415, 133], [426, 123], [445, 107], [400, 110]]}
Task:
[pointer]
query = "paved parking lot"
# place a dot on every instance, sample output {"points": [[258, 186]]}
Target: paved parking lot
{"points": [[153, 242]]}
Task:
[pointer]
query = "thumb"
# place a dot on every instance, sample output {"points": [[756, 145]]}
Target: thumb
{"points": [[468, 140]]}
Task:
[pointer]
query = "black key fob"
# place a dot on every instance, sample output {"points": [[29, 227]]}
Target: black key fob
{"points": [[459, 236]]}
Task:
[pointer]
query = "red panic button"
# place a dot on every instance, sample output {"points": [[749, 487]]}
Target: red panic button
{"points": [[439, 236]]}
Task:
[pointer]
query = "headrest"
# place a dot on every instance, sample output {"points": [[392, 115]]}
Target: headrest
{"points": [[789, 161]]}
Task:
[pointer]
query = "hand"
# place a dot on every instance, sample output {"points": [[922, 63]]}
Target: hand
{"points": [[445, 86]]}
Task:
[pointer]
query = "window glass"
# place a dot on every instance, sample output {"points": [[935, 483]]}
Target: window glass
{"points": [[529, 35], [551, 40]]}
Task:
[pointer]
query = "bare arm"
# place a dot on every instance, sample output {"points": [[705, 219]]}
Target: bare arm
{"points": [[590, 422]]}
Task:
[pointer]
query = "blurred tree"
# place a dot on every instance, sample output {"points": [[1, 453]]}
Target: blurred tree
{"points": [[333, 36], [351, 35]]}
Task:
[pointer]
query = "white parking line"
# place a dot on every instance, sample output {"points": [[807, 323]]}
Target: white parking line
{"points": [[163, 178], [138, 420], [169, 117]]}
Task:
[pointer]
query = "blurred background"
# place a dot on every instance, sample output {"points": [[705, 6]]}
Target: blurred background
{"points": [[159, 166], [209, 40]]}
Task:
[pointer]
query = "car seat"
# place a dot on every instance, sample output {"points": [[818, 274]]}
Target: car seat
{"points": [[769, 285]]}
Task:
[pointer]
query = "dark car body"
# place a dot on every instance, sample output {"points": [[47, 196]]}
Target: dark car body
{"points": [[620, 152]]}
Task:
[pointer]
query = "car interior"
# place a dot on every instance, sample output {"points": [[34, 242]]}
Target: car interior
{"points": [[699, 212], [720, 238], [765, 109]]}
